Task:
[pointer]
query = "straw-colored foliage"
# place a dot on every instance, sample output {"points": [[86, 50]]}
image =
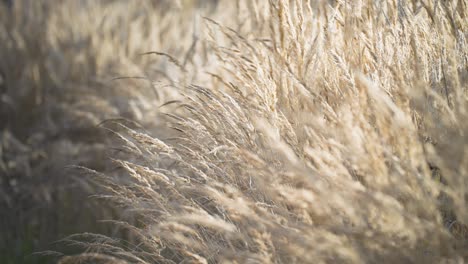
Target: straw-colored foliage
{"points": [[277, 131]]}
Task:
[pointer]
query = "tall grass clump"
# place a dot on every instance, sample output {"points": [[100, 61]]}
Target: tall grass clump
{"points": [[318, 132]]}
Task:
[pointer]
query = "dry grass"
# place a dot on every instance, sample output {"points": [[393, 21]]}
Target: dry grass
{"points": [[58, 80], [324, 132]]}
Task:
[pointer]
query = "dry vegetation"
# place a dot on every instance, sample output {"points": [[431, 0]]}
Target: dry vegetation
{"points": [[59, 61], [266, 131]]}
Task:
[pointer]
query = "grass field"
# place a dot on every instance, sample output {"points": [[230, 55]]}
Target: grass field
{"points": [[282, 131]]}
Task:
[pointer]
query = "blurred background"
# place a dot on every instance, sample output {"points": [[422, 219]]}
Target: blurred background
{"points": [[63, 69]]}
